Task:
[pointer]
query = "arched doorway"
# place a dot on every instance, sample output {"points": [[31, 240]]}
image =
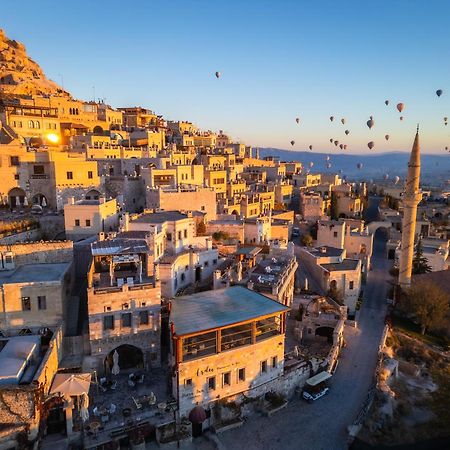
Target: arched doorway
{"points": [[93, 194], [16, 197], [130, 357], [98, 130], [40, 199], [326, 332]]}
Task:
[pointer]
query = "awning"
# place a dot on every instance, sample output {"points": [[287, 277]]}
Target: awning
{"points": [[71, 383]]}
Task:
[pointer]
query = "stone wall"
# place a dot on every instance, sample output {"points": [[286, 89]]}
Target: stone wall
{"points": [[40, 252]]}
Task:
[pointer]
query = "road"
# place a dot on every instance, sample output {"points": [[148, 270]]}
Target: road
{"points": [[323, 424]]}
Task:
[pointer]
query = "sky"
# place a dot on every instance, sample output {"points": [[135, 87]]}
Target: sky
{"points": [[278, 60]]}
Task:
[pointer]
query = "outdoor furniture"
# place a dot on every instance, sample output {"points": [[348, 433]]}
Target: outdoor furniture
{"points": [[152, 399], [95, 411], [105, 417], [126, 412], [114, 385], [131, 383], [112, 408], [137, 403]]}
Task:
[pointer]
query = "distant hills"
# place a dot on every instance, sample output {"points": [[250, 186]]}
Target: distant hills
{"points": [[435, 168]]}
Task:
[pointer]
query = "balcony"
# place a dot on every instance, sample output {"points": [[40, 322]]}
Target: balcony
{"points": [[39, 177]]}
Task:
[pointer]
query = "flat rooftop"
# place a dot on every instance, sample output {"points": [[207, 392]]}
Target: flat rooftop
{"points": [[35, 273], [119, 246], [325, 251], [346, 264], [160, 217], [214, 309]]}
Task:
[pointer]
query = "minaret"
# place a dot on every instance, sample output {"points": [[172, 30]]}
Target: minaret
{"points": [[411, 198]]}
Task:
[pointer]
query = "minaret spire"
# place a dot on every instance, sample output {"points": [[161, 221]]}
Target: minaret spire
{"points": [[411, 198]]}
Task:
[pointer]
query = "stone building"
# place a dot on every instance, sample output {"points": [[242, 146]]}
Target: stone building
{"points": [[35, 281], [86, 218], [227, 354], [124, 304], [334, 273]]}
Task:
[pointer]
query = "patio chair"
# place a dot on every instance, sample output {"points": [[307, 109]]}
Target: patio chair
{"points": [[131, 383], [137, 403], [112, 408], [114, 385]]}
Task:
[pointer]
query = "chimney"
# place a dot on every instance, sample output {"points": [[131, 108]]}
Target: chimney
{"points": [[322, 249]]}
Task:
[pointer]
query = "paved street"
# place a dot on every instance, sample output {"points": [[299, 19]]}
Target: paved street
{"points": [[323, 425]]}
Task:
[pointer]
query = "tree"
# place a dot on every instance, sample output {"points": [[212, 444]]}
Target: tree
{"points": [[420, 262], [307, 240], [427, 303]]}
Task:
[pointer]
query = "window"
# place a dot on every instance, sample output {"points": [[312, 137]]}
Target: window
{"points": [[241, 374], [236, 336], [267, 328], [351, 285], [169, 236], [143, 317], [26, 304], [183, 277], [90, 174], [42, 302], [77, 222], [335, 234], [70, 175], [16, 176], [88, 223], [179, 235], [274, 362], [211, 383], [108, 322], [188, 382], [185, 234], [38, 170], [126, 320], [214, 261], [37, 124], [263, 366], [226, 379], [199, 346], [15, 161], [30, 124], [206, 263]]}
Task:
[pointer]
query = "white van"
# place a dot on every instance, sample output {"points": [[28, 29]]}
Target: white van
{"points": [[316, 386]]}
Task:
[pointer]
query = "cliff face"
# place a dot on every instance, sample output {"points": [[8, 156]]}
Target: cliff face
{"points": [[19, 74]]}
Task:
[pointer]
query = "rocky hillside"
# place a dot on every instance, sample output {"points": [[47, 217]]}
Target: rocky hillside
{"points": [[19, 74]]}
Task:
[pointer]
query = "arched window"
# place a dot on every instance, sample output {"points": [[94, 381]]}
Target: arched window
{"points": [[37, 124], [30, 124]]}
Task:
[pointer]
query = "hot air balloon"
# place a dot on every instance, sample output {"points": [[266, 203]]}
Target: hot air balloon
{"points": [[336, 143], [327, 158], [292, 143], [343, 121], [359, 166], [446, 148], [370, 123], [386, 137], [371, 145], [217, 74], [401, 117], [386, 176], [331, 118], [445, 121], [400, 107], [396, 179], [386, 102], [347, 132], [439, 92], [310, 147], [328, 165], [297, 120], [341, 146], [311, 164], [331, 140], [345, 146]]}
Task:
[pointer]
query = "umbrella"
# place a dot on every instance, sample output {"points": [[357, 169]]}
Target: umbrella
{"points": [[197, 415], [115, 368], [17, 200], [84, 412], [71, 383], [25, 201], [44, 202]]}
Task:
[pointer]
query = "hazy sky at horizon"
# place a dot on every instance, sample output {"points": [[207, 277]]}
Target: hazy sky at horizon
{"points": [[278, 59]]}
